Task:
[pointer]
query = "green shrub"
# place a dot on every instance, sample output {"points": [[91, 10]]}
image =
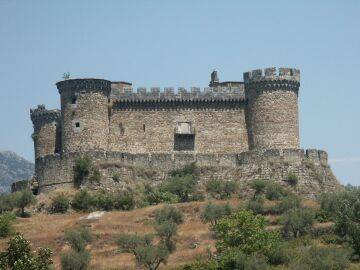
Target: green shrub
{"points": [[116, 177], [59, 204], [281, 254], [78, 258], [6, 222], [256, 204], [18, 256], [146, 253], [187, 170], [332, 239], [201, 265], [81, 170], [214, 212], [197, 196], [82, 201], [73, 260], [297, 221], [95, 175], [7, 202], [292, 179], [246, 232], [157, 196], [35, 136], [165, 224], [344, 208], [124, 202], [181, 185], [274, 191], [214, 187], [104, 201], [236, 259], [322, 258], [221, 189], [24, 199], [78, 239], [259, 186], [319, 231], [323, 216], [169, 213], [287, 203]]}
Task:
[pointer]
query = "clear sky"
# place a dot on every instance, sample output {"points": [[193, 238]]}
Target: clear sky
{"points": [[178, 43]]}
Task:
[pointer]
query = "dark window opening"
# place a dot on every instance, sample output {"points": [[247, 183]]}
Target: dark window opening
{"points": [[144, 127], [56, 151], [184, 142], [73, 99], [122, 129], [77, 124]]}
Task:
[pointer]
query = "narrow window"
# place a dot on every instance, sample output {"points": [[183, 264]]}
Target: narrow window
{"points": [[77, 124], [73, 100], [144, 127], [122, 129]]}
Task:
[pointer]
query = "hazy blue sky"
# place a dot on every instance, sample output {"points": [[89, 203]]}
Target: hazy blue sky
{"points": [[178, 43]]}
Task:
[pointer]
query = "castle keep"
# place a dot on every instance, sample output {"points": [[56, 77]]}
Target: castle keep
{"points": [[242, 130]]}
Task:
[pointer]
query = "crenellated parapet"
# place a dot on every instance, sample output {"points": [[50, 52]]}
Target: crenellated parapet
{"points": [[181, 95], [271, 78], [42, 115], [84, 85]]}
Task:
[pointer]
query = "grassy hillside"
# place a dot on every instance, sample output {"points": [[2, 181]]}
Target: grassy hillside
{"points": [[195, 239]]}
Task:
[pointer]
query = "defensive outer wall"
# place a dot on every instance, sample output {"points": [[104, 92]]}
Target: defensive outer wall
{"points": [[238, 131]]}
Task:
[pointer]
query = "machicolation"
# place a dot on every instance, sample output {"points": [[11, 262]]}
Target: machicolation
{"points": [[242, 130]]}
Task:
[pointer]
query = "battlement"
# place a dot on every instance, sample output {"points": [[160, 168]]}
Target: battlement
{"points": [[89, 84], [42, 114], [182, 94], [272, 74]]}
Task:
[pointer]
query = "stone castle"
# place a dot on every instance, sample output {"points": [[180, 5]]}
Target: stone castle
{"points": [[234, 130]]}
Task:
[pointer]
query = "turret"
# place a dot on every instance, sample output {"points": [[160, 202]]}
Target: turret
{"points": [[85, 114], [46, 127], [272, 109]]}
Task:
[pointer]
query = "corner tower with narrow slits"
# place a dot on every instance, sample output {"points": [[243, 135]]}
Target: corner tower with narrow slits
{"points": [[46, 131], [272, 109], [85, 114]]}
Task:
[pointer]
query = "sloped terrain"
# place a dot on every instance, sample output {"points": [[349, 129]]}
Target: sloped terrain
{"points": [[13, 168]]}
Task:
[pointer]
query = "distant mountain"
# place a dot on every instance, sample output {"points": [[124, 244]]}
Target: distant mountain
{"points": [[13, 168]]}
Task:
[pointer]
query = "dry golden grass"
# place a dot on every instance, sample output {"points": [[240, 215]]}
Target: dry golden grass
{"points": [[194, 238], [44, 230]]}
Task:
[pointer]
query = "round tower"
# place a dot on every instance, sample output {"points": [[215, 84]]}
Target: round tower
{"points": [[46, 125], [272, 109], [85, 116]]}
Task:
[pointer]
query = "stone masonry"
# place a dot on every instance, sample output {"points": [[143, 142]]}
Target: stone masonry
{"points": [[238, 130]]}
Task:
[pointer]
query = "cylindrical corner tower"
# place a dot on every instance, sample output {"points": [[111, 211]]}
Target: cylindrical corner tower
{"points": [[46, 124], [272, 109], [84, 111]]}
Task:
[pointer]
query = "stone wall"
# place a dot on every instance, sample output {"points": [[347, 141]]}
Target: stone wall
{"points": [[20, 185], [218, 127], [311, 168]]}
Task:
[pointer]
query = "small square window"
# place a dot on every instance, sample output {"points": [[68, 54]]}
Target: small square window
{"points": [[184, 142], [73, 99], [77, 124]]}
